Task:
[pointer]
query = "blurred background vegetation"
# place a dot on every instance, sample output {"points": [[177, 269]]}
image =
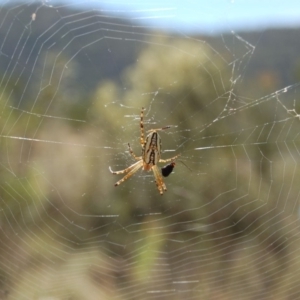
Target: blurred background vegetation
{"points": [[71, 94]]}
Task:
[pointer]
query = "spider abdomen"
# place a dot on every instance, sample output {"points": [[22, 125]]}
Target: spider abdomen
{"points": [[151, 150]]}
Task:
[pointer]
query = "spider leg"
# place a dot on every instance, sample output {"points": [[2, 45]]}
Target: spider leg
{"points": [[142, 139], [159, 129], [132, 153], [123, 171], [132, 169], [168, 159], [158, 180]]}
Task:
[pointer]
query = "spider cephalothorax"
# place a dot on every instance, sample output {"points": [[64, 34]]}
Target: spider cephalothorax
{"points": [[151, 153]]}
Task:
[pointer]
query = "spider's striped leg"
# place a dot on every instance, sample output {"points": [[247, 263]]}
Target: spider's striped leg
{"points": [[131, 170], [168, 159], [158, 180], [159, 129], [123, 171], [131, 152], [142, 139]]}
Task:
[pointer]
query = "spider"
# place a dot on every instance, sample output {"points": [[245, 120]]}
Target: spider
{"points": [[151, 152]]}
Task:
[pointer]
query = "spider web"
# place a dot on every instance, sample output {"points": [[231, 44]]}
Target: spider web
{"points": [[74, 80]]}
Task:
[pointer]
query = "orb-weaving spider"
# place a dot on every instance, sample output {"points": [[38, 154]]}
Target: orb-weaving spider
{"points": [[151, 152]]}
